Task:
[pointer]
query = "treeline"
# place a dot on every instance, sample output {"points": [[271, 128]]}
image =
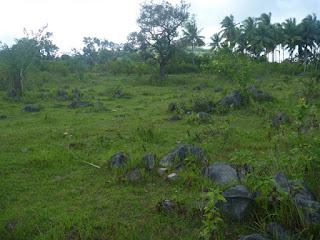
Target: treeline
{"points": [[168, 41], [259, 36]]}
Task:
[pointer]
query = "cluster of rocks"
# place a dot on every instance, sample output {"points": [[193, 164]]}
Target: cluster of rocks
{"points": [[234, 100], [259, 95], [175, 159], [279, 119], [302, 197], [239, 200], [275, 231]]}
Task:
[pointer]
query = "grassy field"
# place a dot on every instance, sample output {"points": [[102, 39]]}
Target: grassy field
{"points": [[47, 191]]}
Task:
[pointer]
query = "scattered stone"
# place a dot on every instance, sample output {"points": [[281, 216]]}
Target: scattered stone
{"points": [[78, 104], [234, 100], [302, 197], [162, 171], [254, 237], [76, 94], [218, 89], [221, 173], [282, 182], [202, 105], [239, 202], [98, 107], [62, 95], [310, 208], [2, 117], [167, 206], [172, 177], [119, 160], [173, 106], [73, 234], [259, 95], [279, 119], [175, 118], [243, 170], [118, 94], [278, 232], [177, 156], [32, 108], [134, 175], [204, 117], [149, 161], [11, 225]]}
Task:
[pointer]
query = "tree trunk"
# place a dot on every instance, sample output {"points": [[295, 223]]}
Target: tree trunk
{"points": [[192, 54], [17, 85], [162, 71]]}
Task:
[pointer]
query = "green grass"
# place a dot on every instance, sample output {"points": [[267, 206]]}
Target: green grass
{"points": [[48, 192]]}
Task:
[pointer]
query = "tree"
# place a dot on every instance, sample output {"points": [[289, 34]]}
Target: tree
{"points": [[216, 41], [159, 24], [229, 32], [16, 60], [291, 35], [249, 30], [191, 36], [266, 34]]}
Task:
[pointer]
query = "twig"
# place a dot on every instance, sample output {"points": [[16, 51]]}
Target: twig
{"points": [[91, 164]]}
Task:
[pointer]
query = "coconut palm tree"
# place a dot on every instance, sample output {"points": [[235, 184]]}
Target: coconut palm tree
{"points": [[229, 31], [192, 37], [308, 37], [266, 34], [290, 35], [216, 41], [249, 32]]}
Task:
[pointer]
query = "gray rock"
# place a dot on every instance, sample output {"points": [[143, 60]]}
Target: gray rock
{"points": [[162, 171], [32, 108], [279, 119], [254, 237], [62, 95], [119, 160], [134, 175], [118, 94], [175, 118], [221, 173], [177, 156], [11, 225], [172, 107], [172, 177], [202, 105], [235, 100], [302, 197], [243, 171], [78, 104], [149, 161], [76, 94], [299, 189], [310, 208], [278, 232], [204, 117], [282, 182], [259, 95], [239, 202], [167, 206]]}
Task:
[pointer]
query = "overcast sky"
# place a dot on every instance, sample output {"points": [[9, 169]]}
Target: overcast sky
{"points": [[71, 20]]}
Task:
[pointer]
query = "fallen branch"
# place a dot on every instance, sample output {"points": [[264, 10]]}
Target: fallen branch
{"points": [[91, 164]]}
